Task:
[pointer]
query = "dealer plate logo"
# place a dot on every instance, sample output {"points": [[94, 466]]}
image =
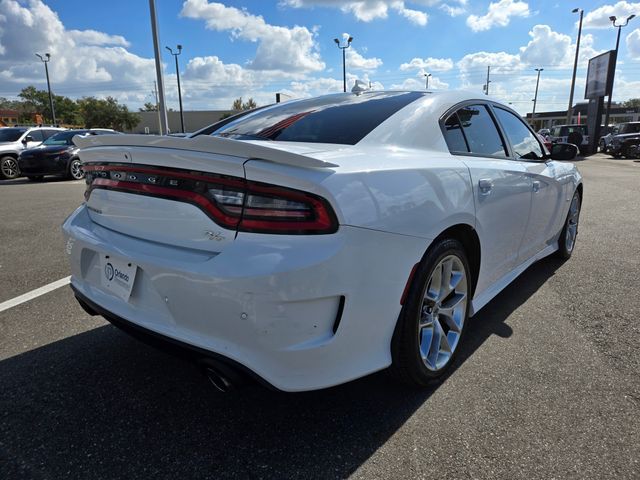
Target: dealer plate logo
{"points": [[108, 271]]}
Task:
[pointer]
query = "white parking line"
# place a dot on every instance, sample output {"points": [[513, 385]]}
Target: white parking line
{"points": [[34, 293]]}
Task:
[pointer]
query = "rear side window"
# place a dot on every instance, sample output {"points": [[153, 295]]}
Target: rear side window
{"points": [[453, 134], [480, 131], [524, 143], [48, 133], [343, 119]]}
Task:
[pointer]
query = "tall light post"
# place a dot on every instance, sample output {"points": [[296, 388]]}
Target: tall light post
{"points": [[46, 69], [175, 55], [344, 67], [615, 60], [155, 34], [426, 76], [535, 98], [575, 66]]}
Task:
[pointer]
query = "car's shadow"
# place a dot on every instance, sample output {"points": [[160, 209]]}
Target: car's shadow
{"points": [[26, 181], [102, 405]]}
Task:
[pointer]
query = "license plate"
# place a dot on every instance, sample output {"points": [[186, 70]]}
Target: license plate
{"points": [[117, 275]]}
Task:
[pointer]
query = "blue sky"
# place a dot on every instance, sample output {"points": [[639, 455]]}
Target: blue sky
{"points": [[257, 48]]}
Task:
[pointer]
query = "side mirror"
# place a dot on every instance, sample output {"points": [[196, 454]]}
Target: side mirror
{"points": [[563, 151], [27, 139]]}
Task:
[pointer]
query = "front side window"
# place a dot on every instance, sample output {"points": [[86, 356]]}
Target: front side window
{"points": [[64, 138], [480, 131], [523, 142]]}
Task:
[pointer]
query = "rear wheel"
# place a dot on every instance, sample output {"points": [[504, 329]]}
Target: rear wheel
{"points": [[567, 240], [75, 169], [9, 167], [434, 315]]}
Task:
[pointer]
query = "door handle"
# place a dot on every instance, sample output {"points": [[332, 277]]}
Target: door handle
{"points": [[485, 185], [536, 186]]}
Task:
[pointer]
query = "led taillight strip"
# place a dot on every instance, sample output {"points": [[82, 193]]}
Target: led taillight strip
{"points": [[247, 219]]}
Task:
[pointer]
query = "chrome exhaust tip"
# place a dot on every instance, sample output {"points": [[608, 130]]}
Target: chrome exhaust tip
{"points": [[221, 382]]}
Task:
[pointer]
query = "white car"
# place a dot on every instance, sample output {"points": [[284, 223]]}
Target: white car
{"points": [[316, 241]]}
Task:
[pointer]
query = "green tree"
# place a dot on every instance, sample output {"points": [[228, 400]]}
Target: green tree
{"points": [[106, 113], [149, 107], [37, 101], [238, 104], [631, 103]]}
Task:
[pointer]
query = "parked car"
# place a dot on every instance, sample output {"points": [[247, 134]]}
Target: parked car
{"points": [[315, 241], [57, 155], [575, 134], [606, 135], [15, 139], [624, 142], [545, 132]]}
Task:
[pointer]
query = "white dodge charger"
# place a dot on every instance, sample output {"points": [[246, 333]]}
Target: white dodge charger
{"points": [[313, 242]]}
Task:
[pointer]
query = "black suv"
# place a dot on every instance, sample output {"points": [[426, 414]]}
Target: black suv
{"points": [[626, 143]]}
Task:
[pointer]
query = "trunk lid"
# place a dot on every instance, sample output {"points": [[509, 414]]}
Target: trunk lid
{"points": [[131, 191]]}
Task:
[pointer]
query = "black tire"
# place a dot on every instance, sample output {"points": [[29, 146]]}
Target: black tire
{"points": [[601, 146], [408, 365], [9, 168], [564, 249], [36, 178], [72, 172]]}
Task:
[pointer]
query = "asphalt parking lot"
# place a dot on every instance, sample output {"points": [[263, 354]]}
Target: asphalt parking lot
{"points": [[547, 385]]}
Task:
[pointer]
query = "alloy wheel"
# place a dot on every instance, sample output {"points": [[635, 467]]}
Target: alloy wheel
{"points": [[76, 170], [443, 312], [572, 223], [10, 168]]}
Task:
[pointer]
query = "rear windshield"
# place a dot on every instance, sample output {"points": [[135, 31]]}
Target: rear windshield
{"points": [[11, 134], [344, 119], [629, 128]]}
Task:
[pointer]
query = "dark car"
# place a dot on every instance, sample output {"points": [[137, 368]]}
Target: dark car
{"points": [[57, 155], [625, 142]]}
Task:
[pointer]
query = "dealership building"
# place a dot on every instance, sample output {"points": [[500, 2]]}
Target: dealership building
{"points": [[619, 114]]}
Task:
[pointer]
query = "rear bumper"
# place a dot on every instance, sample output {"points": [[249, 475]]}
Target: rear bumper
{"points": [[162, 342], [270, 303]]}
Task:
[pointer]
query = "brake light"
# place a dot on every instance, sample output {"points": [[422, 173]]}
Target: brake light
{"points": [[231, 202]]}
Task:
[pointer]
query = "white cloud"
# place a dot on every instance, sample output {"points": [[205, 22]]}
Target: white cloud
{"points": [[633, 44], [498, 61], [452, 11], [599, 18], [419, 83], [93, 37], [429, 64], [279, 48], [546, 47], [369, 10], [358, 62], [498, 14], [83, 62]]}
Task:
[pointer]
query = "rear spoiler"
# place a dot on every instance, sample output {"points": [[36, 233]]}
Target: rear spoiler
{"points": [[204, 143]]}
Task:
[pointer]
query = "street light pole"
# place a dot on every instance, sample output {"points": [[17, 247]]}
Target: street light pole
{"points": [[535, 98], [575, 66], [344, 64], [427, 75], [615, 61], [175, 55], [162, 106], [46, 69]]}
